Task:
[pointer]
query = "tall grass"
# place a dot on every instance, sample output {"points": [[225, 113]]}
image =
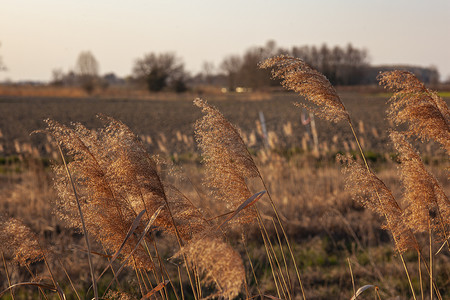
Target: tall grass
{"points": [[119, 196], [427, 117]]}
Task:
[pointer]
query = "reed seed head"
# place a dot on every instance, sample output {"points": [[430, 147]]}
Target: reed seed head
{"points": [[115, 180], [425, 113], [218, 263], [18, 241], [298, 76], [425, 197], [227, 160], [370, 191]]}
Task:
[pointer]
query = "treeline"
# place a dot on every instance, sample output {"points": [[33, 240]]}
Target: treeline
{"points": [[346, 65], [341, 65]]}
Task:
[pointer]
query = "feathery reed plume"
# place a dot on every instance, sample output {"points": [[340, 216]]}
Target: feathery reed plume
{"points": [[218, 264], [298, 76], [425, 197], [425, 113], [115, 179], [366, 187], [115, 295], [17, 240], [228, 162]]}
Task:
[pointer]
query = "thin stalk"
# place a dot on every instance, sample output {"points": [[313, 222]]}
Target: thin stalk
{"points": [[153, 264], [180, 242], [181, 283], [34, 279], [70, 280], [276, 259], [284, 288], [351, 274], [420, 275], [139, 281], [57, 288], [378, 294], [285, 236], [196, 281], [161, 267], [283, 256], [171, 283], [269, 257], [251, 266], [91, 267], [407, 275], [7, 276], [387, 220], [359, 145], [431, 259], [148, 280], [109, 262], [246, 287], [147, 289], [436, 290]]}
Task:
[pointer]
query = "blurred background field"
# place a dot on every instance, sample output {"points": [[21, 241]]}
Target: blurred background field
{"points": [[325, 225], [166, 125]]}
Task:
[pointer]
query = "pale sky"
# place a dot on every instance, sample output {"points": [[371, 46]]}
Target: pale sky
{"points": [[38, 36]]}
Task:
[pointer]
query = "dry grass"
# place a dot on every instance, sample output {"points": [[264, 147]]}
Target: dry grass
{"points": [[121, 189], [298, 76], [227, 160], [425, 113]]}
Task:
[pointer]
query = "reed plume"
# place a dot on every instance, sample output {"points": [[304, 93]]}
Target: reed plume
{"points": [[370, 191], [18, 241], [298, 76], [116, 179], [115, 295], [423, 111], [227, 160], [426, 199], [217, 263]]}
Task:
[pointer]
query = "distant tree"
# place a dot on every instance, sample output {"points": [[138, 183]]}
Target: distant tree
{"points": [[252, 76], [87, 69], [207, 71], [344, 66], [57, 77], [159, 71], [231, 65]]}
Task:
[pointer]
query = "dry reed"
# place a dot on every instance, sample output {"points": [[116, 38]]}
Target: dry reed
{"points": [[425, 113], [298, 76], [115, 179], [227, 160], [423, 194], [369, 190], [217, 263], [18, 241]]}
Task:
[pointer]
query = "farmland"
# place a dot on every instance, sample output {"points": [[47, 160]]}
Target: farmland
{"points": [[165, 120], [322, 221]]}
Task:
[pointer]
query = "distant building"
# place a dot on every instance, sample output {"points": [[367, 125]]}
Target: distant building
{"points": [[428, 75], [111, 79]]}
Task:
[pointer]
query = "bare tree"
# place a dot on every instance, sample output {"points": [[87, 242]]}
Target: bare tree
{"points": [[87, 69], [208, 71], [252, 76], [231, 65], [158, 71], [340, 65], [57, 77]]}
